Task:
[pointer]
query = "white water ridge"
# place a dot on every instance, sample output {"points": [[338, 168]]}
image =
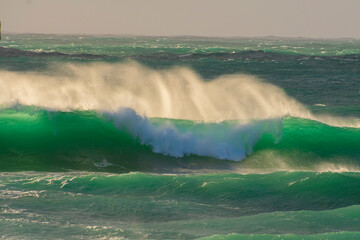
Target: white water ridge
{"points": [[223, 140]]}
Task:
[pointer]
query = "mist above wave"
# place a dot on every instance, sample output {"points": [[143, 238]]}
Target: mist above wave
{"points": [[177, 93]]}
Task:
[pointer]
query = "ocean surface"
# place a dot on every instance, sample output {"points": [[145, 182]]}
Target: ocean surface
{"points": [[108, 137]]}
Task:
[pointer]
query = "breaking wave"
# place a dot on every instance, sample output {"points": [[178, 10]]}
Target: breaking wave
{"points": [[76, 111]]}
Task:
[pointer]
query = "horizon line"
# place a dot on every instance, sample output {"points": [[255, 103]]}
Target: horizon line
{"points": [[182, 36]]}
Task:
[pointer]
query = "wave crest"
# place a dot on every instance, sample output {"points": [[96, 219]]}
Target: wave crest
{"points": [[223, 140]]}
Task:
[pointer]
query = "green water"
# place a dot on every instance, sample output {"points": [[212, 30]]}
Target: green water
{"points": [[101, 174], [125, 46], [328, 236], [34, 139], [138, 205]]}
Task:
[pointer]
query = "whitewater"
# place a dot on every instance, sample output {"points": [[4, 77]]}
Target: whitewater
{"points": [[179, 138]]}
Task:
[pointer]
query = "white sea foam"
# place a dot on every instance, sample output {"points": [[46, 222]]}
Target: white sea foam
{"points": [[232, 141]]}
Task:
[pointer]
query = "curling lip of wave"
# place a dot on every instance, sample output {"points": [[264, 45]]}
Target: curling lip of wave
{"points": [[219, 140]]}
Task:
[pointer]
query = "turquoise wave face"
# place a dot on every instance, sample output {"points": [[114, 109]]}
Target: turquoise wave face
{"points": [[35, 139]]}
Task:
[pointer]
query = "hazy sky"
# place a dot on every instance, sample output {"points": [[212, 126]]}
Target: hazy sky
{"points": [[292, 18]]}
